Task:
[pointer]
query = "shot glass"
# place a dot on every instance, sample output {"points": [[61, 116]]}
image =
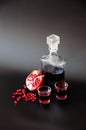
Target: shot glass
{"points": [[44, 94], [61, 88]]}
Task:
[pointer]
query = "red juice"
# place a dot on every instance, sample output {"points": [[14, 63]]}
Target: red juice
{"points": [[52, 75], [44, 99]]}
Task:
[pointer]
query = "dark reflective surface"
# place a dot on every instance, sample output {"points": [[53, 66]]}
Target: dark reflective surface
{"points": [[27, 115]]}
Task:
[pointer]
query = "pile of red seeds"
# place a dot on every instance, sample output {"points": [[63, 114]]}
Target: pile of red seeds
{"points": [[22, 94]]}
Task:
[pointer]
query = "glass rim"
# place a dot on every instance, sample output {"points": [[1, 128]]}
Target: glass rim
{"points": [[44, 86], [65, 84]]}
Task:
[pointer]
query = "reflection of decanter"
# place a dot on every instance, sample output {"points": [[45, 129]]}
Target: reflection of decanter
{"points": [[52, 64]]}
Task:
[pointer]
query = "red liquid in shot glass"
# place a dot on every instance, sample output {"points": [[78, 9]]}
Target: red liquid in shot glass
{"points": [[44, 94], [61, 90]]}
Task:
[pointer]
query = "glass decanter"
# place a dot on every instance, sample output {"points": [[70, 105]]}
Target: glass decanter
{"points": [[52, 65]]}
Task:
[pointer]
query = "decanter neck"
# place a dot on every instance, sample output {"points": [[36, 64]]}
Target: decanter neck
{"points": [[53, 52]]}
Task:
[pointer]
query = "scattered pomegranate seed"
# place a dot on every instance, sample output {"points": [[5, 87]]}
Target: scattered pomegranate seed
{"points": [[24, 86], [19, 90], [27, 99], [15, 102], [18, 98], [13, 96], [33, 99], [22, 94]]}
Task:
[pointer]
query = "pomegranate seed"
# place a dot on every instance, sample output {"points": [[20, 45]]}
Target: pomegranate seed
{"points": [[19, 90], [18, 99], [19, 93], [34, 99], [32, 94], [29, 94], [15, 102], [23, 91], [23, 96], [28, 99], [13, 96], [24, 86], [36, 81]]}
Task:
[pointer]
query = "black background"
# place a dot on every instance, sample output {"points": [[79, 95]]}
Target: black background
{"points": [[24, 26]]}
